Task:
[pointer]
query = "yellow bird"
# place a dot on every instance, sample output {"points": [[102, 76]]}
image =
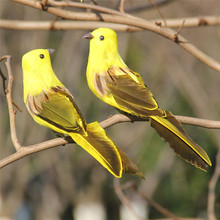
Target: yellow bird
{"points": [[51, 105], [113, 82]]}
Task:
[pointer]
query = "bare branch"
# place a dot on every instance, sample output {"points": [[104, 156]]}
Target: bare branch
{"points": [[158, 10], [81, 25], [199, 122], [115, 119], [119, 118], [62, 25], [121, 6], [190, 22], [24, 151], [132, 21], [160, 208], [10, 105]]}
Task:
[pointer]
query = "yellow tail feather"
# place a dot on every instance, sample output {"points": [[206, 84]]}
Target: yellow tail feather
{"points": [[129, 167], [100, 146], [96, 143], [172, 132]]}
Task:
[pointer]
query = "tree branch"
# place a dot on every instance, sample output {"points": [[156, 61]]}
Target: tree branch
{"points": [[159, 208], [12, 113], [63, 25], [120, 118], [81, 25], [126, 19]]}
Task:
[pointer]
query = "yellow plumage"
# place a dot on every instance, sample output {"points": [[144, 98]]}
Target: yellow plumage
{"points": [[52, 105], [113, 82]]}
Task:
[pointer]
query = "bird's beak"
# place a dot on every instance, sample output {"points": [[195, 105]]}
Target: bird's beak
{"points": [[88, 36], [51, 51]]}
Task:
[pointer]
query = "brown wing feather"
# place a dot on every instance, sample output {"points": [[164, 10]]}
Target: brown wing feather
{"points": [[134, 96], [57, 107], [66, 92]]}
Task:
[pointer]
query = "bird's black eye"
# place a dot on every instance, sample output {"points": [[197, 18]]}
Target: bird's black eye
{"points": [[41, 56], [101, 37]]}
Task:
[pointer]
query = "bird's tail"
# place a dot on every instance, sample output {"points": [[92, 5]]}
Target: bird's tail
{"points": [[170, 129], [101, 147], [129, 167]]}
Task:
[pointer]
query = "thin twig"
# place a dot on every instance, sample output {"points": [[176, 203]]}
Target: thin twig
{"points": [[176, 39], [158, 10], [124, 200], [10, 105], [121, 6], [4, 78], [159, 208]]}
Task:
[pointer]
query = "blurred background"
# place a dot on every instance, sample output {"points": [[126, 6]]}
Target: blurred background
{"points": [[65, 182]]}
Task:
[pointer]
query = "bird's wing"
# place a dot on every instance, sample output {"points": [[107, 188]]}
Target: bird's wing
{"points": [[58, 108], [129, 91]]}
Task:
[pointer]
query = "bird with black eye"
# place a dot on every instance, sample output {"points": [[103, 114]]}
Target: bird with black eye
{"points": [[101, 37], [41, 56]]}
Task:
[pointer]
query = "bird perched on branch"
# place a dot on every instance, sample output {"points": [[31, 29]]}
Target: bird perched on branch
{"points": [[113, 82], [51, 105]]}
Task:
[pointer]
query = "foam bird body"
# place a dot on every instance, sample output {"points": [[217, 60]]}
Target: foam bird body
{"points": [[113, 82], [52, 105]]}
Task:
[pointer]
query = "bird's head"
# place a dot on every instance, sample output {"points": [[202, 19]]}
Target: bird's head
{"points": [[38, 73], [103, 48], [36, 59], [103, 39]]}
